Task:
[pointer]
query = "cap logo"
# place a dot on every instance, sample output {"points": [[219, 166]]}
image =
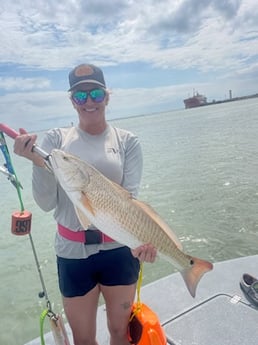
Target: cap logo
{"points": [[83, 70]]}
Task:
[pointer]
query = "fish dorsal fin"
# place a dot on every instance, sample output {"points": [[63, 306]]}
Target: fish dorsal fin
{"points": [[157, 219], [85, 223]]}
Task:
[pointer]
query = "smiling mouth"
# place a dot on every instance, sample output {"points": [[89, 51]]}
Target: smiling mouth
{"points": [[89, 110]]}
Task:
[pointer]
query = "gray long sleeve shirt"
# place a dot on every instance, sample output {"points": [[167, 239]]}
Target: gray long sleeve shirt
{"points": [[116, 153]]}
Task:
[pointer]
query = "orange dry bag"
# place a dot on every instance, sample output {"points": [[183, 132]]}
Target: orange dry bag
{"points": [[144, 327]]}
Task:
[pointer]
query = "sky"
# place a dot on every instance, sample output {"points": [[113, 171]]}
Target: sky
{"points": [[154, 54]]}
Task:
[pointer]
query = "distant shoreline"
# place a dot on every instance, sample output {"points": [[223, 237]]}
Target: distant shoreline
{"points": [[233, 99]]}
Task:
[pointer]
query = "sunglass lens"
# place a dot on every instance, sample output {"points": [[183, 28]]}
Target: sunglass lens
{"points": [[97, 95], [80, 97]]}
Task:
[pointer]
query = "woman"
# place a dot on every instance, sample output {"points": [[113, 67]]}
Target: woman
{"points": [[89, 263]]}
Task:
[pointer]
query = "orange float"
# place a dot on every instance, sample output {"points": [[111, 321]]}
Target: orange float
{"points": [[144, 327], [21, 222]]}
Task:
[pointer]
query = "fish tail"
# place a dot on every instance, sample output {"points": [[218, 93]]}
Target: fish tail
{"points": [[193, 274]]}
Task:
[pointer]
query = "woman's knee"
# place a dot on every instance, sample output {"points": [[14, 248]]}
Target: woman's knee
{"points": [[117, 330]]}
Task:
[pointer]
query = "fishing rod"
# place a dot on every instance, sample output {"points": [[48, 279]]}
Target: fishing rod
{"points": [[7, 168], [13, 134], [21, 225], [8, 174]]}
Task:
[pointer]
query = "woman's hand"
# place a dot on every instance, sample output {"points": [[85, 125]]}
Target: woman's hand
{"points": [[23, 145], [146, 252]]}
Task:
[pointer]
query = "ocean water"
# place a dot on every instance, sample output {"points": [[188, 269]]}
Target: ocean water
{"points": [[200, 174]]}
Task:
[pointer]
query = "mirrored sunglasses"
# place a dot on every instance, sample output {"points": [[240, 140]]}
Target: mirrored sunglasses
{"points": [[96, 95]]}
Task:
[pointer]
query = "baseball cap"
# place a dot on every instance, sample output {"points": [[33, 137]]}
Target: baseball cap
{"points": [[86, 73]]}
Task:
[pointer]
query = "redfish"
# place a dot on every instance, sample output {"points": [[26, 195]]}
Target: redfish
{"points": [[111, 209]]}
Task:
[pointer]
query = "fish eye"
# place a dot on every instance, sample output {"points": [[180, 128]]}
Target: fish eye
{"points": [[192, 262]]}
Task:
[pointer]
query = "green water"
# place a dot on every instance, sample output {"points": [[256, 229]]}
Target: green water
{"points": [[200, 174]]}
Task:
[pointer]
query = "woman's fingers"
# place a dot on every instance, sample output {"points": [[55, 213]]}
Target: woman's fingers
{"points": [[146, 252]]}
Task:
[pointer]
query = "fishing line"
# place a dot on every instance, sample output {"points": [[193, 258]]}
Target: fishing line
{"points": [[144, 326], [21, 220], [21, 225]]}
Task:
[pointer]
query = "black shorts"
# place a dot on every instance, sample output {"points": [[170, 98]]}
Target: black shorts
{"points": [[108, 267]]}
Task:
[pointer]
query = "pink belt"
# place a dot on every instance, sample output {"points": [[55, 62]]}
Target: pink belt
{"points": [[84, 236]]}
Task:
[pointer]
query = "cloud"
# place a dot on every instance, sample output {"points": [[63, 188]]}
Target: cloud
{"points": [[23, 84], [54, 34], [41, 110], [176, 45], [32, 110], [47, 36]]}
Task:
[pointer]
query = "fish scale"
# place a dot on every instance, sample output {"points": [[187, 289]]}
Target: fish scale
{"points": [[131, 218]]}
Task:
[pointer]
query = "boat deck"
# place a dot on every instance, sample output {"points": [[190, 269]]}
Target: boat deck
{"points": [[219, 314]]}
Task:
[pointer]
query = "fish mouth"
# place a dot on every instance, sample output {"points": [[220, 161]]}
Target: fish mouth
{"points": [[54, 161], [56, 158], [57, 163]]}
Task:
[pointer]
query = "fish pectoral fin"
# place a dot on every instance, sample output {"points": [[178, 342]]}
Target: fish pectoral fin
{"points": [[85, 223], [86, 203], [157, 219]]}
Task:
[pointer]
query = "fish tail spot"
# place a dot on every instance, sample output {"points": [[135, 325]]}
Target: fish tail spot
{"points": [[193, 274]]}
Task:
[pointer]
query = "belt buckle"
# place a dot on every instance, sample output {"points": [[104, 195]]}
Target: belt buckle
{"points": [[93, 237]]}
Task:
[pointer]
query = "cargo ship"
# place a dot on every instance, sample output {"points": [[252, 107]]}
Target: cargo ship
{"points": [[196, 101]]}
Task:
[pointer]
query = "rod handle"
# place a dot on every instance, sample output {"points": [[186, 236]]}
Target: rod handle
{"points": [[13, 134], [8, 130]]}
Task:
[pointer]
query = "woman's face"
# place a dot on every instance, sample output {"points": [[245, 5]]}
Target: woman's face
{"points": [[90, 105]]}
